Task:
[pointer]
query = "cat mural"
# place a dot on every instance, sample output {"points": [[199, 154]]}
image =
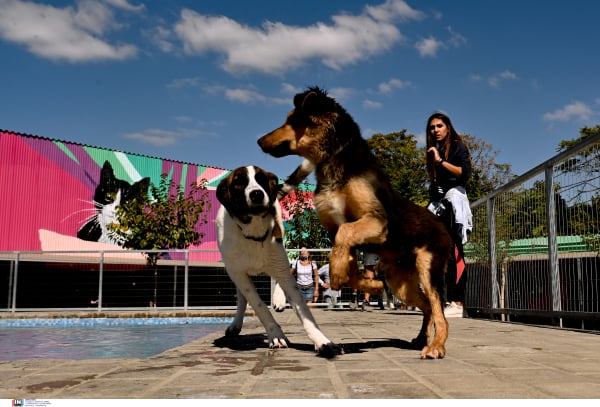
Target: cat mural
{"points": [[109, 194]]}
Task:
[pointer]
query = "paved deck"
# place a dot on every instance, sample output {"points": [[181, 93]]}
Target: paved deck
{"points": [[486, 359]]}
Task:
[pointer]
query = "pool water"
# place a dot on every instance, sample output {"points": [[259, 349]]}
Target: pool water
{"points": [[93, 338]]}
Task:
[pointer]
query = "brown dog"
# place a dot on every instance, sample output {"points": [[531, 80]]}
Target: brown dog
{"points": [[356, 203]]}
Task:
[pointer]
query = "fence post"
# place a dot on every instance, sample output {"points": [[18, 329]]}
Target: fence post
{"points": [[13, 306], [100, 280], [186, 280], [492, 251], [552, 241]]}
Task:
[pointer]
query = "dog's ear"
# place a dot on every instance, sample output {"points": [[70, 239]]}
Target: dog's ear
{"points": [[226, 198], [223, 191], [315, 102], [310, 103], [274, 186]]}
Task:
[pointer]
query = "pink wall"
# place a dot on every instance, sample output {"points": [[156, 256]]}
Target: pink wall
{"points": [[48, 189]]}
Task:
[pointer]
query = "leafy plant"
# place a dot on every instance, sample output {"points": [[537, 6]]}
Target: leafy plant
{"points": [[167, 218], [304, 227]]}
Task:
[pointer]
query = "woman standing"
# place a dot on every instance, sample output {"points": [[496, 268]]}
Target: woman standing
{"points": [[449, 170], [307, 276]]}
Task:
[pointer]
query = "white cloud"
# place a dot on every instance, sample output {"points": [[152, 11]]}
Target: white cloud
{"points": [[341, 93], [495, 80], [276, 47], [429, 47], [289, 89], [371, 104], [162, 38], [456, 39], [575, 110], [65, 33], [249, 96], [155, 137], [162, 138], [389, 86], [244, 95], [125, 5], [392, 9]]}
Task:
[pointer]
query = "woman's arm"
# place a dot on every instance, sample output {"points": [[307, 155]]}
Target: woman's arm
{"points": [[451, 168], [316, 280]]}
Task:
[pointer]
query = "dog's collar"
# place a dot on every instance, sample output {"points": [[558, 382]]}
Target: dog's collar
{"points": [[259, 239]]}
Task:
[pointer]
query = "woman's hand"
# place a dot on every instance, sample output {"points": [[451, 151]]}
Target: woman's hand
{"points": [[435, 152]]}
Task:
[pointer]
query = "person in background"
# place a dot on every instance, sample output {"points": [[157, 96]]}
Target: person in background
{"points": [[331, 296], [449, 170], [369, 261], [307, 276]]}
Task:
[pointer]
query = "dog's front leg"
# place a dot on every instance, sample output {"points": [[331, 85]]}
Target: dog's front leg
{"points": [[235, 327], [323, 346], [295, 178], [248, 291], [343, 267]]}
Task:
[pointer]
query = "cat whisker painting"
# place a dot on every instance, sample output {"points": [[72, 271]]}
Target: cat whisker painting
{"points": [[109, 194]]}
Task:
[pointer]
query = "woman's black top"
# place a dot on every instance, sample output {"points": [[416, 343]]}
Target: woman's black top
{"points": [[459, 156]]}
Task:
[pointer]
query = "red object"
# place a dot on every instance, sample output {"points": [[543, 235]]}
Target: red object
{"points": [[460, 263]]}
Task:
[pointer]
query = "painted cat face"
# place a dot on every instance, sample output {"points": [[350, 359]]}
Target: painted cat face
{"points": [[109, 194]]}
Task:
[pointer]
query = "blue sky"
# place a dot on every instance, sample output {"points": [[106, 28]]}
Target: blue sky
{"points": [[200, 81]]}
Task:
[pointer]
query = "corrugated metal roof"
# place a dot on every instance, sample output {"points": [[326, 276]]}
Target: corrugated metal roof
{"points": [[105, 148]]}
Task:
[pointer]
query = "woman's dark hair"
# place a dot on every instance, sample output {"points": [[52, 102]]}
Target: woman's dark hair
{"points": [[444, 149]]}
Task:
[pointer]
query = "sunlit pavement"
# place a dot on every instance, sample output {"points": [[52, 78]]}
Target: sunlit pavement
{"points": [[485, 359]]}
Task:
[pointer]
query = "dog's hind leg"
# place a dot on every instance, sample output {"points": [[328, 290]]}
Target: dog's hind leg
{"points": [[431, 307]]}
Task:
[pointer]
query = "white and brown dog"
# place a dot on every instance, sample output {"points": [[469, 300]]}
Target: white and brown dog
{"points": [[250, 238]]}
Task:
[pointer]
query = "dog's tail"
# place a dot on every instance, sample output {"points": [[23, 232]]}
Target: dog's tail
{"points": [[296, 177]]}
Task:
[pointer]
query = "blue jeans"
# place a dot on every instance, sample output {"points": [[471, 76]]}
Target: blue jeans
{"points": [[307, 292]]}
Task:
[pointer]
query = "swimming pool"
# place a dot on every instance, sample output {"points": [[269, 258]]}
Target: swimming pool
{"points": [[93, 338]]}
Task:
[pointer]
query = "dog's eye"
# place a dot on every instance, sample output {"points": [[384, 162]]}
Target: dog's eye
{"points": [[296, 120], [263, 180]]}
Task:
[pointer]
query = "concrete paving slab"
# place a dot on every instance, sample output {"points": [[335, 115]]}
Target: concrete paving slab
{"points": [[485, 359]]}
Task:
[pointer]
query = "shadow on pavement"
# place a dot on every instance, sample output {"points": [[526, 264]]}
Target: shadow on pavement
{"points": [[260, 341]]}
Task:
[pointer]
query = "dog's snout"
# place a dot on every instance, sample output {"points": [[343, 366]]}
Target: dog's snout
{"points": [[257, 196], [276, 143]]}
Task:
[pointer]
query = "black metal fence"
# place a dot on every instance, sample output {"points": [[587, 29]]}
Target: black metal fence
{"points": [[111, 280]]}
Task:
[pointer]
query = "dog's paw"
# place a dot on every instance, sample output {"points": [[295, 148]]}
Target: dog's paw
{"points": [[233, 330], [278, 343], [284, 189], [281, 194], [330, 350], [278, 300], [433, 352]]}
